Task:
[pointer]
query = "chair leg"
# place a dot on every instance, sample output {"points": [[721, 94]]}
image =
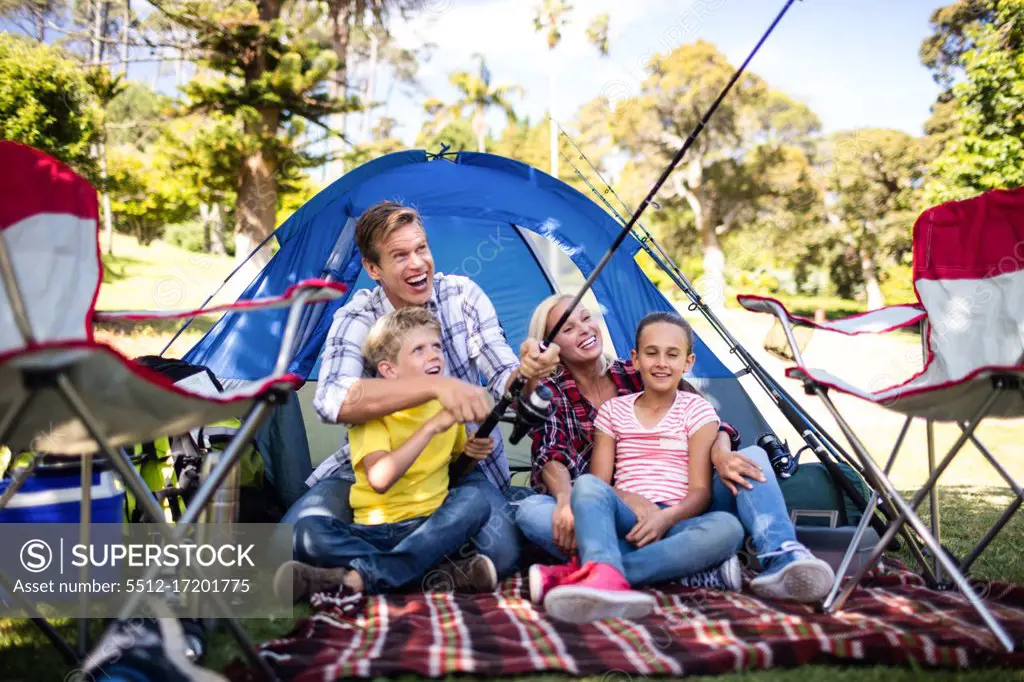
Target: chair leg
{"points": [[1007, 514], [84, 530], [43, 625], [907, 515], [865, 521], [144, 497], [933, 498]]}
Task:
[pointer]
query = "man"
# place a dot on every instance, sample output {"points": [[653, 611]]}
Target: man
{"points": [[395, 254]]}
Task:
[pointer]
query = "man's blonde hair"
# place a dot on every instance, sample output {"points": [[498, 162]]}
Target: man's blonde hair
{"points": [[389, 332]]}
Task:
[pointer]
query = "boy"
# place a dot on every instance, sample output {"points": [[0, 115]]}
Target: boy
{"points": [[406, 519]]}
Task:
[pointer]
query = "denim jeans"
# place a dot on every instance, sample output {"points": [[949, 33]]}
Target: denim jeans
{"points": [[499, 539], [391, 556], [762, 511], [603, 520]]}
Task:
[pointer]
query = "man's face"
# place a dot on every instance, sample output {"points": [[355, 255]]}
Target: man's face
{"points": [[421, 355], [406, 268]]}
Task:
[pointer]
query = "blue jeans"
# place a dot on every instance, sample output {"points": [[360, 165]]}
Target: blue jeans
{"points": [[499, 539], [603, 520], [391, 556], [762, 511]]}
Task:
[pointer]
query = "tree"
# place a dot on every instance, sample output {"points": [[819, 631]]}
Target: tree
{"points": [[268, 73], [47, 102], [733, 175], [477, 95], [873, 177], [982, 56]]}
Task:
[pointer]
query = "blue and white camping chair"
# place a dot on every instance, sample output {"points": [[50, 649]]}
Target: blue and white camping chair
{"points": [[66, 396], [969, 278]]}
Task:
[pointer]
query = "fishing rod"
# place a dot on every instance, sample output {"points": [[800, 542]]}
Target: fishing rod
{"points": [[533, 410], [819, 441]]}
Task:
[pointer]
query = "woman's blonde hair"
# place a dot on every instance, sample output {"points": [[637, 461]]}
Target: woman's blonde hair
{"points": [[539, 323]]}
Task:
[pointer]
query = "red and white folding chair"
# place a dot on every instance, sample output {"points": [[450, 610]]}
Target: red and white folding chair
{"points": [[969, 278], [64, 394]]}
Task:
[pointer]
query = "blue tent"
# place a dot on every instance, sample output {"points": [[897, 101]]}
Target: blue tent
{"points": [[476, 208]]}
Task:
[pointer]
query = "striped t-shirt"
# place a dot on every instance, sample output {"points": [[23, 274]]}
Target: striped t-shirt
{"points": [[654, 462]]}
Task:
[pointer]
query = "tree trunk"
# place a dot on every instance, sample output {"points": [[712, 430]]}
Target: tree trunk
{"points": [[341, 31], [713, 289], [125, 25], [256, 205], [217, 241], [480, 128], [871, 286], [371, 82]]}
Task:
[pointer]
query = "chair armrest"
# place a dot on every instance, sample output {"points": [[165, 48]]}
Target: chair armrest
{"points": [[878, 321], [318, 290]]}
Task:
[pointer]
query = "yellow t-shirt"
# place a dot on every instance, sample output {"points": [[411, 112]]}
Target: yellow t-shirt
{"points": [[422, 488]]}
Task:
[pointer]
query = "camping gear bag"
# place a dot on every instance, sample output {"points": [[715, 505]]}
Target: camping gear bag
{"points": [[173, 467], [814, 498], [54, 495]]}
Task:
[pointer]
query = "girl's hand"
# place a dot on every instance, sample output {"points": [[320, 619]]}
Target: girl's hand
{"points": [[734, 469], [478, 448], [562, 523], [650, 529], [640, 505]]}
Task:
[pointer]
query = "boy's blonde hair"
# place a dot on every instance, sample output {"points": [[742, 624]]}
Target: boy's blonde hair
{"points": [[386, 336]]}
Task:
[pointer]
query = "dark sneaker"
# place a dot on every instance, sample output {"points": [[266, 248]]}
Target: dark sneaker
{"points": [[726, 577], [472, 574], [304, 580]]}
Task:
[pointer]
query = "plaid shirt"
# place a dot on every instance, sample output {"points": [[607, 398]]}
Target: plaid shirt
{"points": [[568, 433], [474, 348]]}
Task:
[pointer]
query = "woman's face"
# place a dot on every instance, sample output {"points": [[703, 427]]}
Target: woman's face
{"points": [[580, 337]]}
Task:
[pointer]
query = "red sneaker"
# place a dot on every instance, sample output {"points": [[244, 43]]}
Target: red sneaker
{"points": [[543, 578], [594, 592]]}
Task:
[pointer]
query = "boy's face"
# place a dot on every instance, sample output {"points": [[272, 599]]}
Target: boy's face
{"points": [[420, 355], [406, 267]]}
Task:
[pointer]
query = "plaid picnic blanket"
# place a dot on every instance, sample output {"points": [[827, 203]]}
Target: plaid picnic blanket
{"points": [[892, 619]]}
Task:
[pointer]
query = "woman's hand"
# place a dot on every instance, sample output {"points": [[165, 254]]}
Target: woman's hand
{"points": [[651, 528], [640, 505], [478, 448], [734, 469], [562, 523]]}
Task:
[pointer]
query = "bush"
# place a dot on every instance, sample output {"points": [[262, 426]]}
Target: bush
{"points": [[898, 284], [188, 236]]}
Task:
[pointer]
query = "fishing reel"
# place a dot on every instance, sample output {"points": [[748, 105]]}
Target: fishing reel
{"points": [[783, 462]]}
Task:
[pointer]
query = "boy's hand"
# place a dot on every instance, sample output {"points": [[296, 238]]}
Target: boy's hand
{"points": [[478, 448], [466, 402], [650, 529], [442, 421], [536, 365]]}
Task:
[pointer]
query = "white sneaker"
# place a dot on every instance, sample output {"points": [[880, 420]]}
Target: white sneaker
{"points": [[793, 574], [728, 576]]}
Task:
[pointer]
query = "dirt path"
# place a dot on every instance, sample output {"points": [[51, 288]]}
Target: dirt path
{"points": [[871, 362]]}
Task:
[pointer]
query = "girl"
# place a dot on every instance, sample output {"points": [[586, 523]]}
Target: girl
{"points": [[651, 525]]}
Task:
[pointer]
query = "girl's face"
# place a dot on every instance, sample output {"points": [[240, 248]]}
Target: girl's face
{"points": [[662, 356], [580, 337]]}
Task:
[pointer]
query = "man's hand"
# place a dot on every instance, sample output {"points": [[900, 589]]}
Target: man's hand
{"points": [[734, 469], [478, 448], [466, 402], [650, 529], [640, 505], [562, 523], [533, 364]]}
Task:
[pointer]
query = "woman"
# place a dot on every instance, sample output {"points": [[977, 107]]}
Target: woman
{"points": [[743, 484]]}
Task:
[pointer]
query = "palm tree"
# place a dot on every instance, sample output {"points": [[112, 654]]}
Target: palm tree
{"points": [[477, 95]]}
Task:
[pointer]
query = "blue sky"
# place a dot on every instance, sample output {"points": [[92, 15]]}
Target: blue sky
{"points": [[855, 62]]}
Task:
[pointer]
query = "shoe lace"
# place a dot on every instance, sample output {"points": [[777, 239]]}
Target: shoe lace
{"points": [[785, 548]]}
